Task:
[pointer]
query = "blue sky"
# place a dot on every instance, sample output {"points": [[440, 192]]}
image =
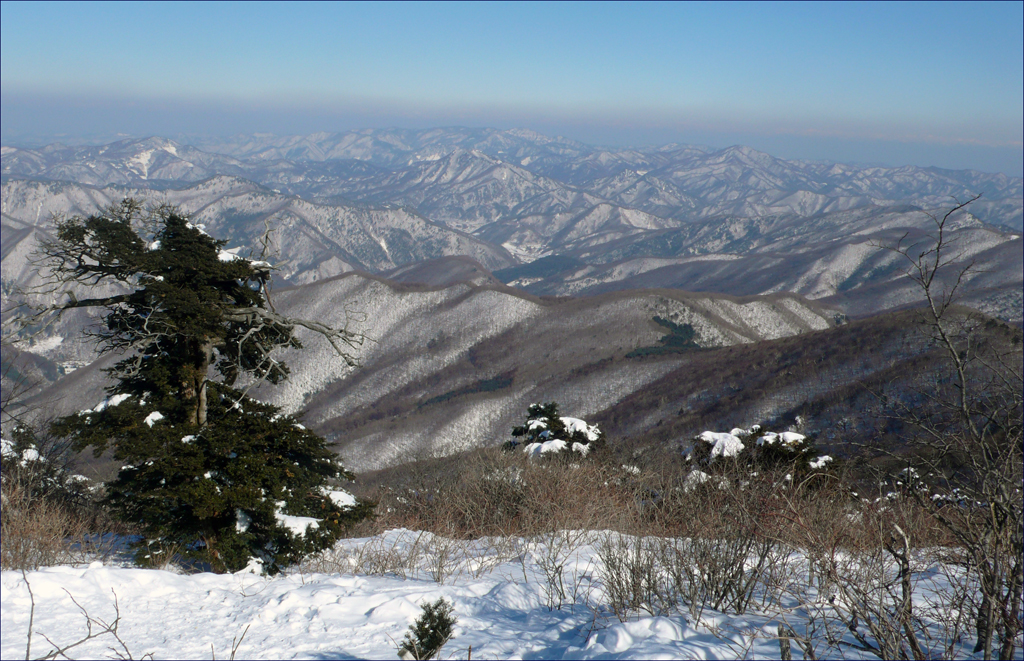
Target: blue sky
{"points": [[922, 83]]}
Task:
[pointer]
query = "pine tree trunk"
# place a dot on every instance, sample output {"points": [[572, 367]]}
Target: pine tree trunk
{"points": [[194, 383], [201, 383]]}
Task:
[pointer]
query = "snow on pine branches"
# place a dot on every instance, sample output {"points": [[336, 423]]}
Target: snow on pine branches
{"points": [[545, 432], [756, 449]]}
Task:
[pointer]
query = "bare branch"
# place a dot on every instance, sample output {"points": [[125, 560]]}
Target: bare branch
{"points": [[967, 428]]}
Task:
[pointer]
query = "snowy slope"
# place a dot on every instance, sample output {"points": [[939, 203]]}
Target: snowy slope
{"points": [[452, 368], [835, 256], [500, 601], [450, 343]]}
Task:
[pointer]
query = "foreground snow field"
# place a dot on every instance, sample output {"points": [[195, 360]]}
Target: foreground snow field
{"points": [[502, 607]]}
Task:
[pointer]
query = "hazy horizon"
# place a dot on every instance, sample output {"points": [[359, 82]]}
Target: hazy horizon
{"points": [[933, 84]]}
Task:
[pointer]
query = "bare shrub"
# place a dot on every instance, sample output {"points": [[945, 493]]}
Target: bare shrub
{"points": [[872, 583], [632, 575], [697, 547], [840, 573], [48, 515], [401, 554], [872, 599], [557, 555], [952, 609], [444, 557], [477, 497], [733, 551], [549, 506], [381, 557], [166, 556], [494, 493], [35, 531]]}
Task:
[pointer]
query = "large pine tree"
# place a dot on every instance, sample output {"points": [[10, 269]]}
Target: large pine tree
{"points": [[218, 475]]}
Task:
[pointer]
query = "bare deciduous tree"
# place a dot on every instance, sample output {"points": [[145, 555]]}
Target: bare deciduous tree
{"points": [[966, 429]]}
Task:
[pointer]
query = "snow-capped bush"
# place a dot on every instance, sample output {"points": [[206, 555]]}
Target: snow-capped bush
{"points": [[547, 433], [756, 449], [41, 466]]}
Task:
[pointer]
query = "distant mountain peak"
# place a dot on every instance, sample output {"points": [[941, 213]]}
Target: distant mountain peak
{"points": [[747, 154]]}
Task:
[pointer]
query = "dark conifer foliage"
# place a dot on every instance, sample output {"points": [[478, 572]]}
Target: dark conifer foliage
{"points": [[205, 468], [431, 631], [544, 424], [761, 450], [680, 339]]}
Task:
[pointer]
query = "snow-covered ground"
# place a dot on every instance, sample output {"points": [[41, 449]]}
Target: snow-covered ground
{"points": [[360, 604]]}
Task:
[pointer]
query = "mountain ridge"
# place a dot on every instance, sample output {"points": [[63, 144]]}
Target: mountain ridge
{"points": [[714, 173]]}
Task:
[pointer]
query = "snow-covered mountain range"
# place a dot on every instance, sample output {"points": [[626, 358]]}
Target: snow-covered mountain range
{"points": [[309, 240], [833, 257], [466, 175], [441, 242], [677, 216]]}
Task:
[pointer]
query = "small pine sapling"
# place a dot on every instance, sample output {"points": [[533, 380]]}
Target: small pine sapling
{"points": [[430, 632], [755, 449], [547, 432]]}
